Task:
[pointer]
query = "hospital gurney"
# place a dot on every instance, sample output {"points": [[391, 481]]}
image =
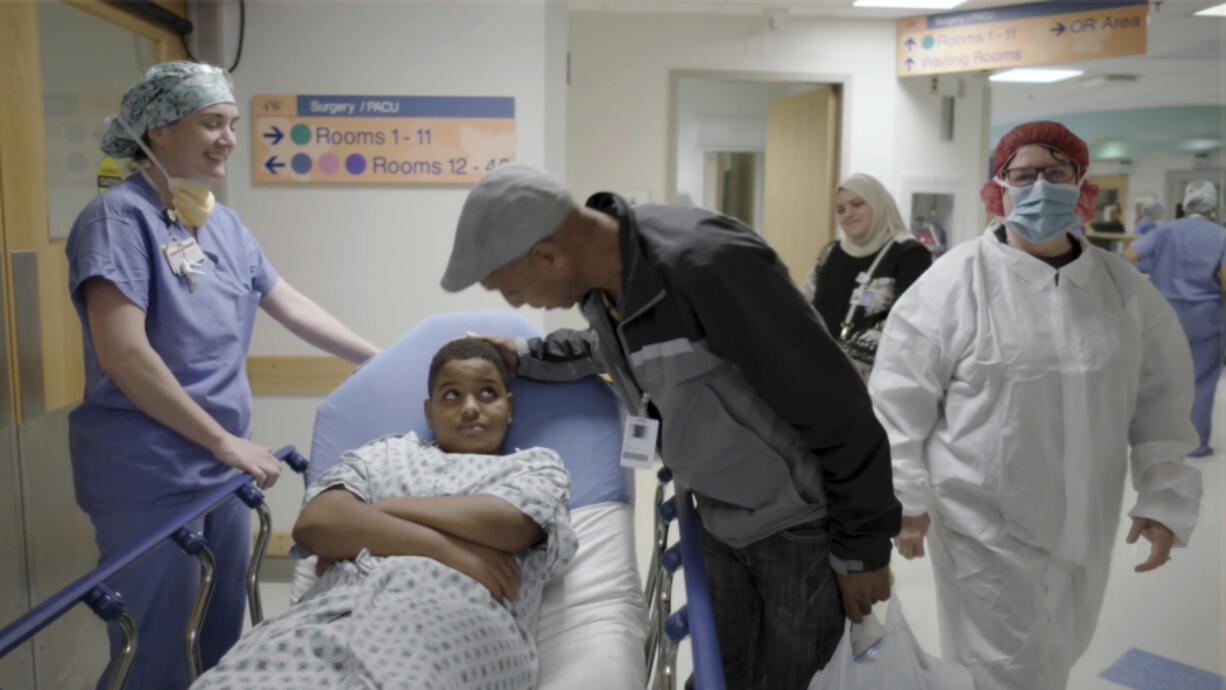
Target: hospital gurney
{"points": [[593, 625], [91, 589]]}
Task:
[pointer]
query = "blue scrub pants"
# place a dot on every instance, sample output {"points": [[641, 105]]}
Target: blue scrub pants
{"points": [[160, 588], [1202, 322]]}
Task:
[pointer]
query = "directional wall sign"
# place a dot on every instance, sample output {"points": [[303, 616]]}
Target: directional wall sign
{"points": [[385, 139], [1019, 35]]}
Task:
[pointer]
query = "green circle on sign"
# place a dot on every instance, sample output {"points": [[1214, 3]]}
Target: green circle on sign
{"points": [[929, 41], [301, 134]]}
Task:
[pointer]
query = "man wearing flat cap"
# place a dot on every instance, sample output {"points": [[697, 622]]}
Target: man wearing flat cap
{"points": [[761, 415]]}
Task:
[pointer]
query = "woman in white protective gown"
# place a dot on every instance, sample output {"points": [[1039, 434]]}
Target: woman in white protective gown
{"points": [[1019, 379]]}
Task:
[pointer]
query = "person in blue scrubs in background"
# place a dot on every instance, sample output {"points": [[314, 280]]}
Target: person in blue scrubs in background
{"points": [[1186, 260], [1150, 215], [166, 283]]}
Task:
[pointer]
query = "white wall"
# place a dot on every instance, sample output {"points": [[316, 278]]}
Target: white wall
{"points": [[373, 254], [620, 93]]}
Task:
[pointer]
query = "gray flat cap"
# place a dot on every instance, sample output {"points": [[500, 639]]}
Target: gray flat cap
{"points": [[506, 213]]}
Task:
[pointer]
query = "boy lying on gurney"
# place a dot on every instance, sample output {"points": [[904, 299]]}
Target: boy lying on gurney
{"points": [[436, 555]]}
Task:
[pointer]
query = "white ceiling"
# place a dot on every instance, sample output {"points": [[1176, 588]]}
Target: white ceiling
{"points": [[1183, 65]]}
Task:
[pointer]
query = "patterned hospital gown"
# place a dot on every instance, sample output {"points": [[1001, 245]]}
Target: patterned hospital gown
{"points": [[407, 621]]}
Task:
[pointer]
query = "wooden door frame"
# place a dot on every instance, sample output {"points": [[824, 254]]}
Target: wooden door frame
{"points": [[23, 182], [841, 81]]}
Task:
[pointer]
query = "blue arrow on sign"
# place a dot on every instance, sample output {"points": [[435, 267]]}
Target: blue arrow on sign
{"points": [[1058, 28], [909, 63], [276, 135], [910, 44], [271, 164]]}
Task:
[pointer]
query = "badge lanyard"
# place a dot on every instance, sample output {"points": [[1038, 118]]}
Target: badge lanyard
{"points": [[183, 254], [862, 296]]}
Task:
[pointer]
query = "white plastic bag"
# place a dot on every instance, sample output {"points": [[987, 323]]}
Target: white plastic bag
{"points": [[895, 661]]}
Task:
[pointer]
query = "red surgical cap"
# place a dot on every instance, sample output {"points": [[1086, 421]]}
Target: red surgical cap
{"points": [[1044, 133]]}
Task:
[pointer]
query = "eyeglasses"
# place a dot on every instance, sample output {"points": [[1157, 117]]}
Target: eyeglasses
{"points": [[1058, 173]]}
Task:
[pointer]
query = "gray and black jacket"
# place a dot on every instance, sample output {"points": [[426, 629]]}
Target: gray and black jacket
{"points": [[761, 414]]}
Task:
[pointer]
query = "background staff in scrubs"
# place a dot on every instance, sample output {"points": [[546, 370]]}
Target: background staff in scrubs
{"points": [[1150, 215], [166, 284], [1186, 260], [1017, 382]]}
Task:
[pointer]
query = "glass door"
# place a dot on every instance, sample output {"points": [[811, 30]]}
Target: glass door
{"points": [[67, 65]]}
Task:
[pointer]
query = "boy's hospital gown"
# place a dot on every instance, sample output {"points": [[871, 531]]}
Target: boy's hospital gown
{"points": [[409, 621]]}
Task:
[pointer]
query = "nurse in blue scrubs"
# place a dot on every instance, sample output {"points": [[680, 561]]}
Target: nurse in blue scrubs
{"points": [[166, 283], [1186, 260], [1150, 217]]}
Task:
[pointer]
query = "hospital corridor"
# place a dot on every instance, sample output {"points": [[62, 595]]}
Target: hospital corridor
{"points": [[612, 344]]}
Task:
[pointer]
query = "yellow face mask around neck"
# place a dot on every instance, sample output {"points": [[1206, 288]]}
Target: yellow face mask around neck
{"points": [[192, 200]]}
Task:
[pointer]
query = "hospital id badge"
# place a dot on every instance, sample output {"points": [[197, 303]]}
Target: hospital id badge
{"points": [[639, 442], [182, 254]]}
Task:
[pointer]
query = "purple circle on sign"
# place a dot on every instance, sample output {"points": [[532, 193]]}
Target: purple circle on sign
{"points": [[355, 164], [301, 163], [328, 163]]}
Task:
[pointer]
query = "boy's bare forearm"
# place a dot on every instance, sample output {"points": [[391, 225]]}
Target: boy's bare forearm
{"points": [[337, 525], [479, 518]]}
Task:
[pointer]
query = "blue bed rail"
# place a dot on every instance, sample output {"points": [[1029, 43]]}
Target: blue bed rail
{"points": [[91, 589], [695, 619]]}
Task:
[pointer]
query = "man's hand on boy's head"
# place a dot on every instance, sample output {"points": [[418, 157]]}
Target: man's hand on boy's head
{"points": [[504, 345]]}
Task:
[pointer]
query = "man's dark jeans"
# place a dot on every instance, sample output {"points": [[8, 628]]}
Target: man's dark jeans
{"points": [[778, 613]]}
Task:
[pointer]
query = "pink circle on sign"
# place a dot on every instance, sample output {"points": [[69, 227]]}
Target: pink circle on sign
{"points": [[328, 163]]}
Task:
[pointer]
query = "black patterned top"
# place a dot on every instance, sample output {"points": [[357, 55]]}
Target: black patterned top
{"points": [[832, 281]]}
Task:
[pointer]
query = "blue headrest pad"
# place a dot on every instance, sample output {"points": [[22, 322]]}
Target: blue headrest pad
{"points": [[580, 420]]}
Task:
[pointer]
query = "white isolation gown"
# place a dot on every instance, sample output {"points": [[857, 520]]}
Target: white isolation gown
{"points": [[1012, 393]]}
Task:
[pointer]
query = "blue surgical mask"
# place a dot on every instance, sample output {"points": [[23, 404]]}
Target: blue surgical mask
{"points": [[1042, 211]]}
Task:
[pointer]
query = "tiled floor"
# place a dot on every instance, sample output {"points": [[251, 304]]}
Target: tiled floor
{"points": [[1174, 611]]}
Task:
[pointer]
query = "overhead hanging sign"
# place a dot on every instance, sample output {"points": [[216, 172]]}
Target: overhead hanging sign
{"points": [[382, 139], [1021, 35]]}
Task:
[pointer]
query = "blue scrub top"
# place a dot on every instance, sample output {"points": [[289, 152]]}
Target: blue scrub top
{"points": [[1145, 225], [122, 459], [1183, 259]]}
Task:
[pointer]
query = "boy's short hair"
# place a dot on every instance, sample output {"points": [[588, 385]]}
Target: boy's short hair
{"points": [[465, 348]]}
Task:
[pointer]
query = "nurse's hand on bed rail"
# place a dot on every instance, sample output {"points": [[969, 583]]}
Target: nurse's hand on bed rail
{"points": [[496, 570], [254, 459], [504, 345]]}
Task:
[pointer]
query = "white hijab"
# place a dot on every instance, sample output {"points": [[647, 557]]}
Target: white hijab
{"points": [[887, 221]]}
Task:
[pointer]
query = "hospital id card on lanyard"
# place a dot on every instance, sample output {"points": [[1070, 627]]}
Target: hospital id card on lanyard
{"points": [[639, 439], [185, 258]]}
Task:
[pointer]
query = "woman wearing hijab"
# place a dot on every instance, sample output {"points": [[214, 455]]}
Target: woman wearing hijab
{"points": [[166, 283], [858, 278], [1186, 260], [1018, 386]]}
